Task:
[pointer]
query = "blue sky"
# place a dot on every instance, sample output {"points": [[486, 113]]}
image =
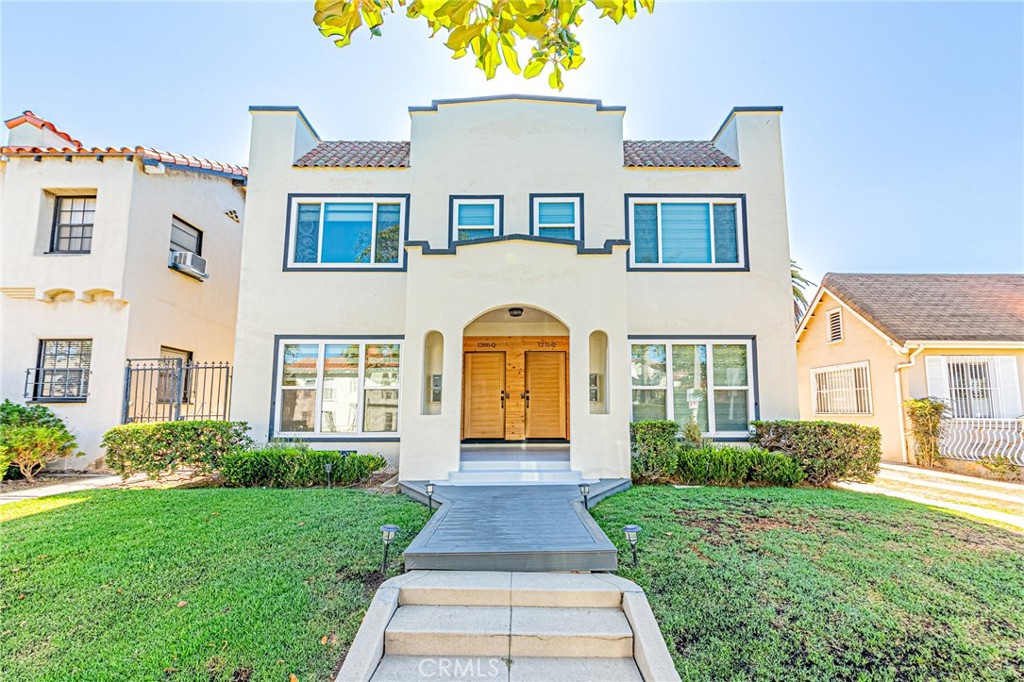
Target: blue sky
{"points": [[903, 130]]}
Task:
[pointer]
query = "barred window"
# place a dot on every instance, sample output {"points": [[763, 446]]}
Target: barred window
{"points": [[63, 370], [842, 389], [72, 224]]}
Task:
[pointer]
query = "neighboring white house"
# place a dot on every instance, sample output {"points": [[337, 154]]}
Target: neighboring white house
{"points": [[112, 254], [499, 297]]}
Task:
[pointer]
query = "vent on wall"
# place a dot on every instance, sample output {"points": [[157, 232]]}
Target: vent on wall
{"points": [[835, 325]]}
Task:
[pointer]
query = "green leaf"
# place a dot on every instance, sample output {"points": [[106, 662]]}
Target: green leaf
{"points": [[534, 68]]}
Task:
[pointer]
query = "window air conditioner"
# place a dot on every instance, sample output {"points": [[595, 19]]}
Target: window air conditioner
{"points": [[189, 263]]}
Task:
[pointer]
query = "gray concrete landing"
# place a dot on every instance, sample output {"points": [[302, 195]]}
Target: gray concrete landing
{"points": [[512, 528]]}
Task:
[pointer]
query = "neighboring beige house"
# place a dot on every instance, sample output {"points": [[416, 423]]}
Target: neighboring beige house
{"points": [[497, 298], [870, 341], [108, 255]]}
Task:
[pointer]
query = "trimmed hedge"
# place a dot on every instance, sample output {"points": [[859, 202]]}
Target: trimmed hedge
{"points": [[828, 452], [292, 467], [653, 445], [162, 447], [737, 466]]}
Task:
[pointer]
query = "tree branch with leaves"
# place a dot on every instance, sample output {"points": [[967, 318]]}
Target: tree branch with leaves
{"points": [[493, 32]]}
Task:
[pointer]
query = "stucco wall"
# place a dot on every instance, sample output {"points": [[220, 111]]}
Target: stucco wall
{"points": [[121, 295], [513, 149], [860, 344]]}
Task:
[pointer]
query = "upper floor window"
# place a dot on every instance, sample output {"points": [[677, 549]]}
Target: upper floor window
{"points": [[350, 231], [557, 217], [185, 238], [72, 224], [671, 232], [475, 217], [62, 372]]}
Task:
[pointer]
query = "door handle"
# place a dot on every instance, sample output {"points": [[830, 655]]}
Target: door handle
{"points": [[503, 396], [525, 395]]}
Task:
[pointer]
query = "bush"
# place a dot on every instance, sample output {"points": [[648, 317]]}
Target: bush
{"points": [[1003, 467], [30, 437], [295, 467], [737, 466], [162, 447], [654, 445], [926, 424], [827, 452]]}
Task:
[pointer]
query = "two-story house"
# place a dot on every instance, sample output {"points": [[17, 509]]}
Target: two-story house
{"points": [[497, 298], [110, 255]]}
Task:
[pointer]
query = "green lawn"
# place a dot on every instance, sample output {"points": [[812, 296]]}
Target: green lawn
{"points": [[815, 585], [92, 584]]}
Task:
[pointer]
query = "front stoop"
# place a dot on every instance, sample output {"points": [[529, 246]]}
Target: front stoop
{"points": [[508, 626]]}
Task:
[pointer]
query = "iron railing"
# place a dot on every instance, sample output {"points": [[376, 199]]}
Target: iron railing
{"points": [[976, 439], [172, 389], [49, 384]]}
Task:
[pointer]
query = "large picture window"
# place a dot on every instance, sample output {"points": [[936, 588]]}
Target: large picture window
{"points": [[343, 388], [686, 232], [344, 231], [709, 382]]}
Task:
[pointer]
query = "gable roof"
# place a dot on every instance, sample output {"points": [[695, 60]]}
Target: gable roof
{"points": [[149, 155], [965, 308], [635, 154]]}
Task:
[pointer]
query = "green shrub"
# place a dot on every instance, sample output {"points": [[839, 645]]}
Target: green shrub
{"points": [[162, 447], [693, 436], [654, 444], [295, 467], [1003, 467], [30, 437], [827, 452], [737, 466], [926, 425]]}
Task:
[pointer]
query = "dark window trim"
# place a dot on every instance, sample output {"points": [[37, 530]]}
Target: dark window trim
{"points": [[202, 235], [755, 384], [739, 267], [278, 338], [534, 229], [36, 398], [52, 248], [452, 198], [375, 267]]}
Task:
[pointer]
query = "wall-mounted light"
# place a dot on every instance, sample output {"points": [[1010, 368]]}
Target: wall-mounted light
{"points": [[515, 312]]}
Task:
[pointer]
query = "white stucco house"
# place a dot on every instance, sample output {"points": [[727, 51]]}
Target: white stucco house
{"points": [[110, 255], [498, 297]]}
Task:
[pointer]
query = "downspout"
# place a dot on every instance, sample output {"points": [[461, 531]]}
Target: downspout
{"points": [[899, 402]]}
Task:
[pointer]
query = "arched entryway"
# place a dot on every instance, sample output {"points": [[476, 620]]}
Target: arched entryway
{"points": [[515, 384]]}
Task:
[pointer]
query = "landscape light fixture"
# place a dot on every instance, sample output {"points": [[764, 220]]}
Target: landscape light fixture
{"points": [[515, 312], [585, 492], [632, 532], [387, 532], [430, 497], [327, 467]]}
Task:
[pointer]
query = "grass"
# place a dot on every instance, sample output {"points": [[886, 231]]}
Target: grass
{"points": [[813, 585], [180, 585]]}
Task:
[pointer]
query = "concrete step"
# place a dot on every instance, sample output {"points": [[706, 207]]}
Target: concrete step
{"points": [[502, 588], [421, 630], [513, 477], [448, 630], [570, 633], [514, 465], [500, 669]]}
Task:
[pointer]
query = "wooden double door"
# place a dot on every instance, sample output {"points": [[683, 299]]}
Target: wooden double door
{"points": [[516, 388]]}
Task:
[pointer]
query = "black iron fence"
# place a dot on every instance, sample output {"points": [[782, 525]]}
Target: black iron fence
{"points": [[173, 389]]}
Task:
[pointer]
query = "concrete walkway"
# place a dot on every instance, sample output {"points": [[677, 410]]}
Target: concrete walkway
{"points": [[90, 483], [981, 498], [512, 527]]}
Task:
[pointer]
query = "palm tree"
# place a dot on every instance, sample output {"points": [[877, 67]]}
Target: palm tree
{"points": [[800, 283]]}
